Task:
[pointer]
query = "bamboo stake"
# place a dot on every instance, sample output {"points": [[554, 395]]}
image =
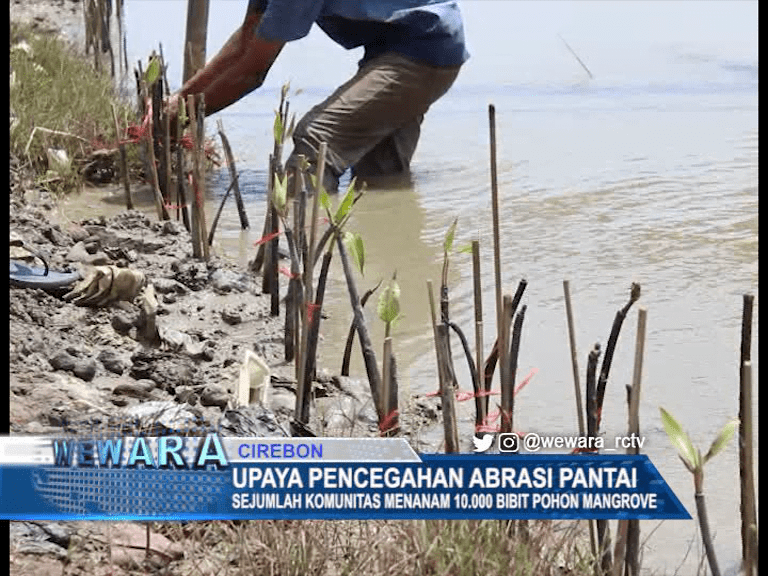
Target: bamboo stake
{"points": [[123, 163], [591, 418], [314, 332], [746, 474], [159, 204], [181, 196], [167, 150], [501, 337], [308, 279], [274, 281], [629, 530], [749, 516], [574, 359], [483, 405], [264, 250], [198, 211], [446, 391], [196, 32]]}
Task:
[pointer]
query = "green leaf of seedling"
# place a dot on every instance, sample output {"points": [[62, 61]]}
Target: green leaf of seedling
{"points": [[680, 440], [448, 242], [153, 71], [722, 439], [281, 193], [284, 90], [466, 249], [389, 303], [354, 243], [325, 201], [346, 203], [278, 128]]}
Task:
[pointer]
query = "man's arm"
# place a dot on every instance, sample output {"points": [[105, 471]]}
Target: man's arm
{"points": [[238, 68]]}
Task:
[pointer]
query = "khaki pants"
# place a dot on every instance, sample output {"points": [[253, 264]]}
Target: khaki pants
{"points": [[372, 122]]}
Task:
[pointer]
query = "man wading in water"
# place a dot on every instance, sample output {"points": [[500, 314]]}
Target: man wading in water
{"points": [[371, 124]]}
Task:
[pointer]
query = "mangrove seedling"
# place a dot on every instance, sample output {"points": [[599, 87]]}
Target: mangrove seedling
{"points": [[388, 311], [694, 462]]}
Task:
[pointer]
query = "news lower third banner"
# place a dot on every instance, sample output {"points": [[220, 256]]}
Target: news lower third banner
{"points": [[225, 478]]}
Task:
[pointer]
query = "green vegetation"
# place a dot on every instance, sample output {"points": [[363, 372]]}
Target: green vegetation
{"points": [[59, 102], [694, 462]]}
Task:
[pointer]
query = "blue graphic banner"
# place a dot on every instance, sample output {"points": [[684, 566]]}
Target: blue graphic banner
{"points": [[176, 478]]}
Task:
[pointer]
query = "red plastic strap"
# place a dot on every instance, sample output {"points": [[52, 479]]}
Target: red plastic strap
{"points": [[287, 272], [311, 307], [267, 238], [386, 424]]}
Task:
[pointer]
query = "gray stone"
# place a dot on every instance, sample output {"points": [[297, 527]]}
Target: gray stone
{"points": [[62, 361], [98, 259], [231, 316], [122, 322], [227, 281], [214, 396], [77, 253], [140, 389], [85, 369], [169, 285], [112, 361]]}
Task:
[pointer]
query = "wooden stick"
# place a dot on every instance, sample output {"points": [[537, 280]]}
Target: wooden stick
{"points": [[385, 408], [308, 280], [574, 359], [483, 405], [500, 334], [200, 101], [591, 421], [159, 204], [351, 334], [167, 150], [749, 516], [446, 391], [609, 349], [221, 208], [123, 164], [746, 474], [199, 217], [181, 195], [507, 387], [195, 37], [629, 530], [232, 174], [314, 333], [369, 356], [514, 353], [265, 252]]}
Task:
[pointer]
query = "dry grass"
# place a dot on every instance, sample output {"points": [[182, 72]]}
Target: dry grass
{"points": [[344, 547]]}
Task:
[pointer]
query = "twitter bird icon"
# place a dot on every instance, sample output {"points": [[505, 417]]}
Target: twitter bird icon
{"points": [[482, 444]]}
